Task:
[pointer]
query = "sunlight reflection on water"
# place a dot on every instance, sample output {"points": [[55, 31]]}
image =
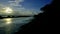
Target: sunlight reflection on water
{"points": [[8, 20], [10, 25]]}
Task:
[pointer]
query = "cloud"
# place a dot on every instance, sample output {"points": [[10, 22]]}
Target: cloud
{"points": [[20, 11], [24, 12], [17, 8], [16, 2]]}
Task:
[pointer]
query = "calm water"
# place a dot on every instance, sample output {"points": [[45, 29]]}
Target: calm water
{"points": [[11, 25]]}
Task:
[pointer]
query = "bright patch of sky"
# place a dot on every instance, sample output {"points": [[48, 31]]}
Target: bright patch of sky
{"points": [[24, 7]]}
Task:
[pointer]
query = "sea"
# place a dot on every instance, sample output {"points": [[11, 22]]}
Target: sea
{"points": [[12, 25]]}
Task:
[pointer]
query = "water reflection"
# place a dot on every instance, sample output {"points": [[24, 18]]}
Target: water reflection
{"points": [[11, 25], [8, 25], [8, 20]]}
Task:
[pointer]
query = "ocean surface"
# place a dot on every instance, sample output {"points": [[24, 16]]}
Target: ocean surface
{"points": [[11, 25]]}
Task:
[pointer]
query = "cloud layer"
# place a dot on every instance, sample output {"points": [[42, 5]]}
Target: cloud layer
{"points": [[16, 2], [17, 7]]}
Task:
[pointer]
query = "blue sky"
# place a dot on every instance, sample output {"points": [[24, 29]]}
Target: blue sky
{"points": [[35, 4], [25, 6]]}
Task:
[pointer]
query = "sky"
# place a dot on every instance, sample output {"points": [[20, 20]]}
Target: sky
{"points": [[24, 7]]}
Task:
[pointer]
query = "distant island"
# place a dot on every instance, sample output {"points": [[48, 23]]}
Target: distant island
{"points": [[1, 17]]}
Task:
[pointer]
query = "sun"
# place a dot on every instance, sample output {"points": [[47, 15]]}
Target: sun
{"points": [[7, 10]]}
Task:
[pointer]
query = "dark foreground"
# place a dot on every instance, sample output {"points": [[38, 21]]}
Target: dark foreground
{"points": [[40, 23]]}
